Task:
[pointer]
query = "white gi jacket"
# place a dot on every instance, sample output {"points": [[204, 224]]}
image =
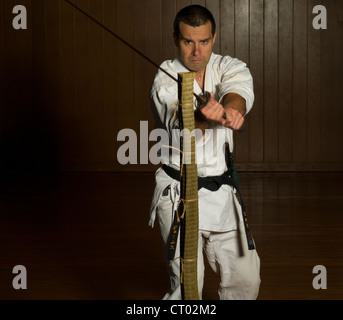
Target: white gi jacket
{"points": [[223, 75]]}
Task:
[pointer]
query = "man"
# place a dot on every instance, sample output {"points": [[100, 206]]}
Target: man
{"points": [[221, 229]]}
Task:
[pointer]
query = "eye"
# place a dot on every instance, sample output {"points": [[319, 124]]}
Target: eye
{"points": [[204, 42], [188, 42]]}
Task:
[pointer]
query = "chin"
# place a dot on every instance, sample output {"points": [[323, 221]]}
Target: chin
{"points": [[196, 67]]}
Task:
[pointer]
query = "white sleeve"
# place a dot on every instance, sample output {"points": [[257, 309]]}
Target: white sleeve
{"points": [[164, 105], [236, 78]]}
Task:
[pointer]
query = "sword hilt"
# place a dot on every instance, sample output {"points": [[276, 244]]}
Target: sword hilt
{"points": [[203, 99]]}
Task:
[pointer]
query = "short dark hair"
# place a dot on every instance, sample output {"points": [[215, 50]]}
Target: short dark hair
{"points": [[194, 16]]}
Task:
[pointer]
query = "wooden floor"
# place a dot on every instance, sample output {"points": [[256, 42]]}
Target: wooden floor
{"points": [[86, 236]]}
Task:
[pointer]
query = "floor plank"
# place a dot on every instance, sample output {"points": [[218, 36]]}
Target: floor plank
{"points": [[86, 236]]}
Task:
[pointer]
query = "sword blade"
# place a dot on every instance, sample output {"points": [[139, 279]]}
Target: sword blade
{"points": [[201, 99]]}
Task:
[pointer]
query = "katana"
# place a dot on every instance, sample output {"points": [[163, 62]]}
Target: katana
{"points": [[202, 99]]}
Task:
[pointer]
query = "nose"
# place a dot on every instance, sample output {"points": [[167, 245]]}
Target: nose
{"points": [[196, 50]]}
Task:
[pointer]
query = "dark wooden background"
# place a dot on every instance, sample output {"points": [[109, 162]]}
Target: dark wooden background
{"points": [[68, 87]]}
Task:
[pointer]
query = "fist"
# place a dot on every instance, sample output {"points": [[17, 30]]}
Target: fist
{"points": [[234, 119], [214, 111]]}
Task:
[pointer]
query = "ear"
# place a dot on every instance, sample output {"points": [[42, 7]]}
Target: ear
{"points": [[176, 39], [214, 37]]}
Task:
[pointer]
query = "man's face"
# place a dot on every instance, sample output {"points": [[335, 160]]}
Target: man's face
{"points": [[195, 45]]}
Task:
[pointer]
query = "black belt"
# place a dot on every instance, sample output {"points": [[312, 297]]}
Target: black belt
{"points": [[212, 183]]}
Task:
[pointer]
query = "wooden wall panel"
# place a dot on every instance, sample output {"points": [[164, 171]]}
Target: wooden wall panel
{"points": [[141, 81], [313, 89], [227, 27], [326, 72], [16, 122], [271, 79], [200, 2], [285, 113], [67, 116], [82, 86], [96, 76], [79, 86], [338, 77], [215, 8], [110, 84], [125, 62], [242, 52], [2, 84], [168, 15], [331, 84], [256, 116], [300, 66]]}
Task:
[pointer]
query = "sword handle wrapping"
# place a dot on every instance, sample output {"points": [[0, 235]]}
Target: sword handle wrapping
{"points": [[203, 99]]}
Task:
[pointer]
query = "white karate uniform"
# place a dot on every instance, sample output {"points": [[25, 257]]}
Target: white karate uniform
{"points": [[221, 230]]}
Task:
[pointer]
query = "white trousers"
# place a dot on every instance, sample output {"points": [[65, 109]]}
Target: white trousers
{"points": [[227, 254]]}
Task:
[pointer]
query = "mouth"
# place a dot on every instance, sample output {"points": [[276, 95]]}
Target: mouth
{"points": [[196, 61]]}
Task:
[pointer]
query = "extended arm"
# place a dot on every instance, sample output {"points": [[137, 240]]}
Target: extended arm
{"points": [[233, 105]]}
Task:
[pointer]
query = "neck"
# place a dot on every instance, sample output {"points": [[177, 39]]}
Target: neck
{"points": [[200, 78]]}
